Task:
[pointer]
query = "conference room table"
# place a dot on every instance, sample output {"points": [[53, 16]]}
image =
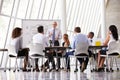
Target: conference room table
{"points": [[93, 48], [2, 50], [57, 48]]}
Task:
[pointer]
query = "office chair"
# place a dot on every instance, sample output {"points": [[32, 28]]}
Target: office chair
{"points": [[13, 54], [112, 53], [36, 52], [81, 48]]}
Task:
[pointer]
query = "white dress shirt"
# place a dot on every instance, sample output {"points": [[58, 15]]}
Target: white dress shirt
{"points": [[58, 34], [90, 41], [40, 39]]}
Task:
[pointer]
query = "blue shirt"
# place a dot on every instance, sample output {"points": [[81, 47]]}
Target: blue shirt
{"points": [[79, 38]]}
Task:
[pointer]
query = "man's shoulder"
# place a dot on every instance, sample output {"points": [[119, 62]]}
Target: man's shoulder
{"points": [[83, 35], [38, 34], [50, 29]]}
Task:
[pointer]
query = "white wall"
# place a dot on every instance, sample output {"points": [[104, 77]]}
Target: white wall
{"points": [[113, 14]]}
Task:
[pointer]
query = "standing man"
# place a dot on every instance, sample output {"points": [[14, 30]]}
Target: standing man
{"points": [[54, 35]]}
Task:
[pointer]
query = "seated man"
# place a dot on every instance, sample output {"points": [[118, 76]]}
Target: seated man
{"points": [[39, 38], [50, 58], [51, 54], [90, 38], [80, 38]]}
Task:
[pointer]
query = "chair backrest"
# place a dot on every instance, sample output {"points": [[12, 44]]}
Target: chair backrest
{"points": [[113, 47], [82, 47], [11, 50], [36, 48]]}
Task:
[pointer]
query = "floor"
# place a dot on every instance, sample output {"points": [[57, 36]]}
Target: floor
{"points": [[61, 75]]}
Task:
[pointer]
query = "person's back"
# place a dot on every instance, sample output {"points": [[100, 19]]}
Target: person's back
{"points": [[40, 38], [16, 41], [81, 38], [78, 38], [111, 36]]}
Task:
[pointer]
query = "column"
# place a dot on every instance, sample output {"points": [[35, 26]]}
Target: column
{"points": [[63, 16], [1, 5], [103, 25]]}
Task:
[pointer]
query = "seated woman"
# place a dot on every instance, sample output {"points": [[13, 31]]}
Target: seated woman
{"points": [[16, 41], [51, 54], [111, 36], [66, 43]]}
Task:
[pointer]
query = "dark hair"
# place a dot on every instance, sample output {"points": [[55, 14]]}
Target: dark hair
{"points": [[92, 34], [16, 32], [40, 29], [66, 39], [77, 29], [114, 31]]}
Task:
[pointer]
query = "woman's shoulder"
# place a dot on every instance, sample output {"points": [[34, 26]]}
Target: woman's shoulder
{"points": [[20, 38], [17, 38]]}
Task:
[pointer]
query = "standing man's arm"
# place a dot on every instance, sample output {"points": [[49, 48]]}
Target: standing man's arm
{"points": [[59, 35], [46, 41], [49, 34]]}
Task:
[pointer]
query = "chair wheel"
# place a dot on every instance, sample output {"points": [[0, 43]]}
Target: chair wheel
{"points": [[9, 69], [117, 69], [111, 70], [107, 70], [91, 70], [4, 70], [41, 69], [33, 70], [62, 68], [76, 70], [14, 70], [50, 70], [45, 70]]}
